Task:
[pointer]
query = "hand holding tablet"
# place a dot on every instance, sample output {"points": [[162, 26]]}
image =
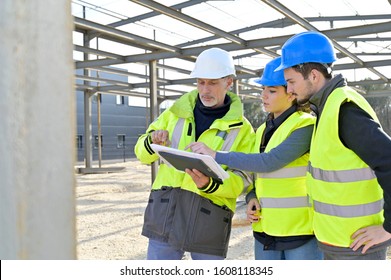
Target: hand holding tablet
{"points": [[182, 159]]}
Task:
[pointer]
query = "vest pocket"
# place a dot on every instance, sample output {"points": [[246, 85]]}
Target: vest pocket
{"points": [[159, 213], [200, 225]]}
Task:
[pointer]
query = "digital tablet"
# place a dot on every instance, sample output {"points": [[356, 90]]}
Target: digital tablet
{"points": [[183, 162]]}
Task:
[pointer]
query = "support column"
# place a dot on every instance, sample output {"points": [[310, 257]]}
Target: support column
{"points": [[38, 125], [235, 87], [87, 105], [154, 106], [87, 129]]}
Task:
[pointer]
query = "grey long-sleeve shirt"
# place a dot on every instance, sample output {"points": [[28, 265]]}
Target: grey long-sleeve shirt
{"points": [[297, 144], [366, 138]]}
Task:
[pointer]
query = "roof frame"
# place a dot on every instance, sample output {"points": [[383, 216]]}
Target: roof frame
{"points": [[304, 23], [156, 50]]}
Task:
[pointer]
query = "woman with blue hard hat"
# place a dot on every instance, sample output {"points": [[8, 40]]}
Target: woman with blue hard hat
{"points": [[277, 204], [349, 175]]}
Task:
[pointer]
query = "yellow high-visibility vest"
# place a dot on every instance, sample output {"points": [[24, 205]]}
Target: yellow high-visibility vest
{"points": [[286, 210], [344, 190]]}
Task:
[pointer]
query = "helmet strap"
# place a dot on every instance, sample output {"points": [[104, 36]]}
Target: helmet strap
{"points": [[328, 68]]}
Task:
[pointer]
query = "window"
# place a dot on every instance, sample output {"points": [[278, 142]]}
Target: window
{"points": [[79, 142], [138, 101], [96, 142], [120, 99], [120, 141]]}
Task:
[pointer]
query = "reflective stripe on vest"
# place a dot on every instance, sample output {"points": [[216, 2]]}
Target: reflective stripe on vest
{"points": [[342, 176], [349, 211], [230, 139], [177, 133], [291, 172], [287, 202], [222, 134]]}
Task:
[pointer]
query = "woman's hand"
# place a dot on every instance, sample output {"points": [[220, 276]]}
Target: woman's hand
{"points": [[253, 210], [201, 148]]}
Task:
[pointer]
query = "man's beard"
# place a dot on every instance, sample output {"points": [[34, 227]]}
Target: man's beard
{"points": [[303, 101]]}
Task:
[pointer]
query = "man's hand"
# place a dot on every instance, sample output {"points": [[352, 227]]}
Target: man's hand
{"points": [[199, 178], [201, 148], [160, 137], [369, 236]]}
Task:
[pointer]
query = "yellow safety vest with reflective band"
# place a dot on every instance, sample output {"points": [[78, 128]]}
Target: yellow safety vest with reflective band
{"points": [[344, 190], [286, 210], [230, 133]]}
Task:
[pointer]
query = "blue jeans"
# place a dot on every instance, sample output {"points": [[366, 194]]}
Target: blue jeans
{"points": [[158, 250], [308, 251]]}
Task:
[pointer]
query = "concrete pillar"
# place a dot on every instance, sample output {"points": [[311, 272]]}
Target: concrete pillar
{"points": [[37, 128]]}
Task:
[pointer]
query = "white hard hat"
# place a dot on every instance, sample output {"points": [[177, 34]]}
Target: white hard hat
{"points": [[213, 63]]}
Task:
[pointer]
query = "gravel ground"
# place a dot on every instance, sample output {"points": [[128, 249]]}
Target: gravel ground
{"points": [[110, 210]]}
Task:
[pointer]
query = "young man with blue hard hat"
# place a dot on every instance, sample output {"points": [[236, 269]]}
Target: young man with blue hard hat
{"points": [[349, 172]]}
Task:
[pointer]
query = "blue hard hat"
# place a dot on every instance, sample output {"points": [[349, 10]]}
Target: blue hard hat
{"points": [[271, 78], [309, 46]]}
